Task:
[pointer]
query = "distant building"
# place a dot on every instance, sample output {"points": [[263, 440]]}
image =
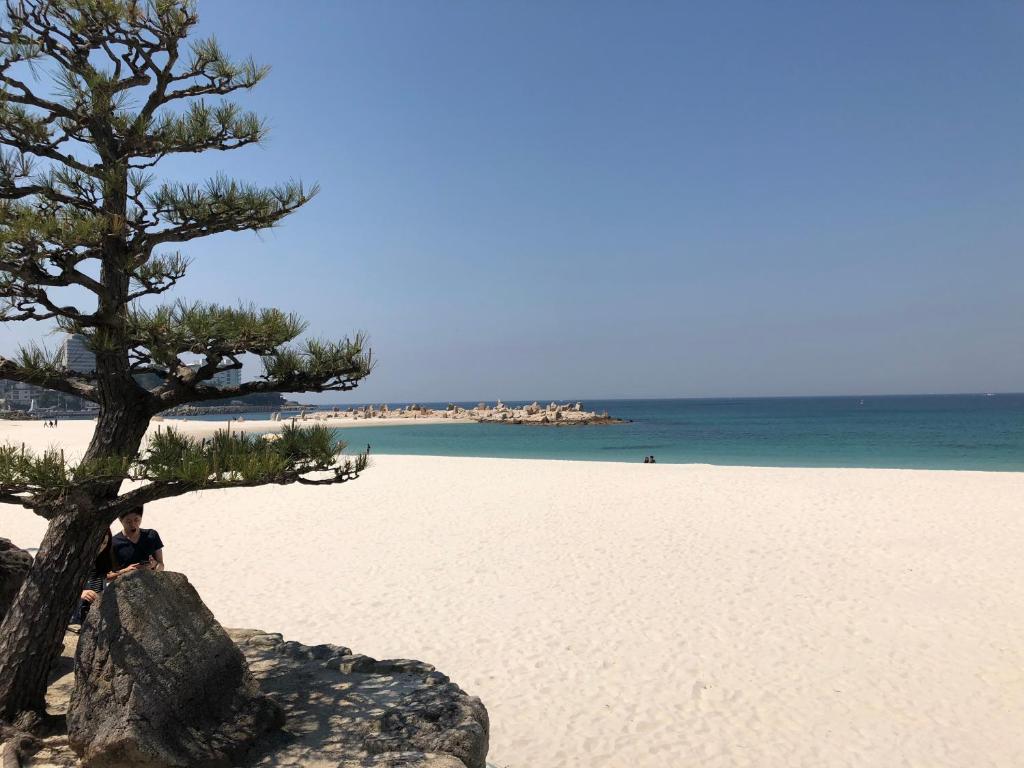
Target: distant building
{"points": [[220, 380], [224, 379], [73, 355], [19, 396], [16, 395], [76, 356]]}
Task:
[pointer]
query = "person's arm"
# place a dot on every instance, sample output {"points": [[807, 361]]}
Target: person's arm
{"points": [[118, 570], [127, 569], [156, 560]]}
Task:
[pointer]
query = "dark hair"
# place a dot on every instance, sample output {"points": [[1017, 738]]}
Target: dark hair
{"points": [[130, 511], [104, 563]]}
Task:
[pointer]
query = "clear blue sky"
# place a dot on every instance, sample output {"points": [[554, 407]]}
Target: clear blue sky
{"points": [[593, 199]]}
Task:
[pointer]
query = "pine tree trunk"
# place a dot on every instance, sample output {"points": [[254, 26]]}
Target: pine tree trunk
{"points": [[32, 632], [33, 629]]}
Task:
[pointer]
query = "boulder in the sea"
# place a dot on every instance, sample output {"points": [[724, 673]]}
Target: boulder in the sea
{"points": [[158, 682], [14, 564]]}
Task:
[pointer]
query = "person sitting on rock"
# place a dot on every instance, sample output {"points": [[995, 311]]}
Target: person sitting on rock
{"points": [[136, 548], [102, 572]]}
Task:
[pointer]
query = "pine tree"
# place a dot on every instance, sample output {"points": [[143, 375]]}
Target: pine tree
{"points": [[93, 95]]}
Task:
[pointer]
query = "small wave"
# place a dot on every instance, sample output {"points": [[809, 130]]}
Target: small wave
{"points": [[634, 447]]}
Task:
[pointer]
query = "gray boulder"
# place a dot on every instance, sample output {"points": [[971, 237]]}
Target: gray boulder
{"points": [[352, 711], [158, 682], [433, 720], [14, 564]]}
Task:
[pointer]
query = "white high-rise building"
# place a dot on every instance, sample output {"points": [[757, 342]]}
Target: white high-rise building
{"points": [[224, 379], [76, 356]]}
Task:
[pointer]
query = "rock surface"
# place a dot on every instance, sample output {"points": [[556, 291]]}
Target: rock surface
{"points": [[352, 711], [342, 710], [14, 564], [158, 681]]}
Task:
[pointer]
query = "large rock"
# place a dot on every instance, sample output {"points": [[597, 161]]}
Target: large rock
{"points": [[344, 710], [14, 564], [352, 711], [158, 682], [433, 720]]}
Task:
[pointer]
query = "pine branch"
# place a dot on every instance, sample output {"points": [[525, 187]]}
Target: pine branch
{"points": [[221, 205], [22, 299], [317, 366], [173, 464], [36, 365], [41, 481], [33, 134], [208, 73], [35, 239], [56, 188], [213, 331], [200, 128], [159, 274], [348, 469], [165, 489], [14, 498]]}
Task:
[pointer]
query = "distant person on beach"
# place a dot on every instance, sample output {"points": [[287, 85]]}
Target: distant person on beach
{"points": [[367, 449], [652, 459], [102, 572], [136, 548], [647, 459]]}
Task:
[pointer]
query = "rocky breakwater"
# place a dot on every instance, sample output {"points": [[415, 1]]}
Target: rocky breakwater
{"points": [[553, 414], [338, 708]]}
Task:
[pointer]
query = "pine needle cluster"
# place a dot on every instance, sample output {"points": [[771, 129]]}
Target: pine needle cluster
{"points": [[172, 463]]}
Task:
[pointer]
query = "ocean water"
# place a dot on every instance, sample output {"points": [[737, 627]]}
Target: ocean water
{"points": [[969, 432]]}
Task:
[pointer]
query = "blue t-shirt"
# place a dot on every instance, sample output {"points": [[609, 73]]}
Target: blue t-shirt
{"points": [[128, 553]]}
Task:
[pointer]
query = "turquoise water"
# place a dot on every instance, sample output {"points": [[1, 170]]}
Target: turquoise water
{"points": [[923, 431]]}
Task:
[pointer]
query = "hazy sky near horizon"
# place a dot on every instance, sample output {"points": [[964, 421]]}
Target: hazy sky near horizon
{"points": [[589, 199]]}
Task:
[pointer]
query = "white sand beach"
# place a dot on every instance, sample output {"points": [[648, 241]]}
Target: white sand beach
{"points": [[615, 614]]}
